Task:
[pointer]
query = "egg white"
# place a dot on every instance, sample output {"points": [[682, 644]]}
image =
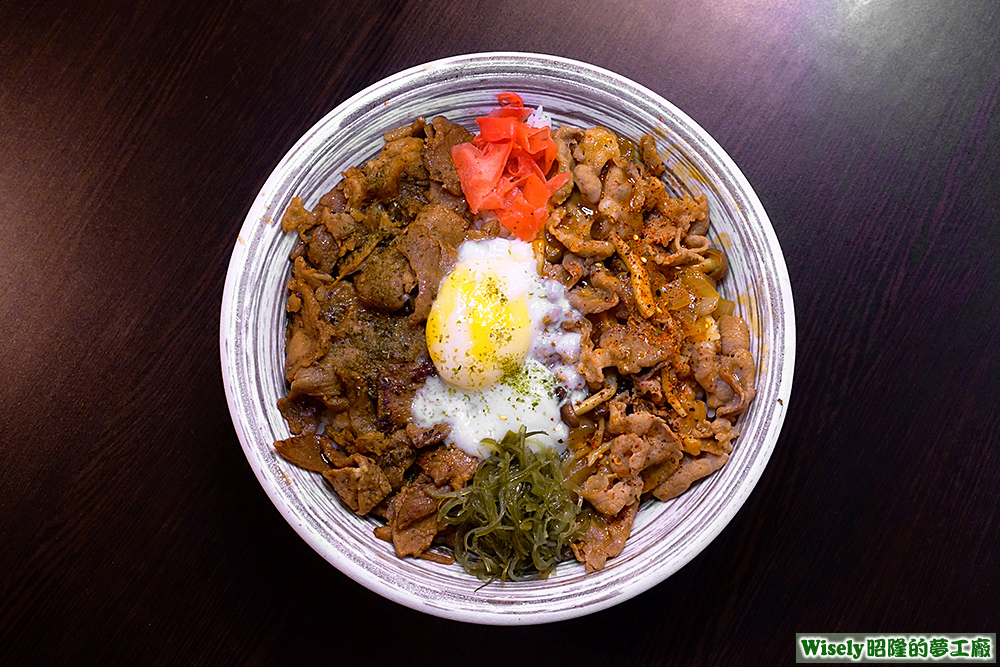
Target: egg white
{"points": [[521, 395]]}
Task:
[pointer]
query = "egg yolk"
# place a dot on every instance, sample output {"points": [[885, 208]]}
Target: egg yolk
{"points": [[477, 330]]}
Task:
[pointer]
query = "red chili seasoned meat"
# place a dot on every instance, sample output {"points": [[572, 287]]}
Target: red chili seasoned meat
{"points": [[667, 362]]}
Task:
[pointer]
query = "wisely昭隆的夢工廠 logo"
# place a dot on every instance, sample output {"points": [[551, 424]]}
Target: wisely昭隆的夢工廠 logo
{"points": [[895, 647]]}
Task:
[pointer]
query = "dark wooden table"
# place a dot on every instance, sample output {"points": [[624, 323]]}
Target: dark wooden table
{"points": [[135, 135]]}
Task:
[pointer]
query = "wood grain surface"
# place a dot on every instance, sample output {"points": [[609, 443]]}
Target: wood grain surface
{"points": [[135, 135]]}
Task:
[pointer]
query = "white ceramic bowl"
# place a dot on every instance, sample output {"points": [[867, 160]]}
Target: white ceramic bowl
{"points": [[665, 535]]}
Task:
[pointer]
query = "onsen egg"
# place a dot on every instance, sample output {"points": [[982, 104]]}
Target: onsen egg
{"points": [[503, 340]]}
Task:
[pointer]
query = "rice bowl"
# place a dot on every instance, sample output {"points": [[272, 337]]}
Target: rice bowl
{"points": [[665, 535]]}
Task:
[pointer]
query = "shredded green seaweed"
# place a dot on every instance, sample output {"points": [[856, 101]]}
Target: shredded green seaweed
{"points": [[516, 519]]}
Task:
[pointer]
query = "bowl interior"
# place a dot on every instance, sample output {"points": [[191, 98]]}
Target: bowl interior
{"points": [[665, 535]]}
